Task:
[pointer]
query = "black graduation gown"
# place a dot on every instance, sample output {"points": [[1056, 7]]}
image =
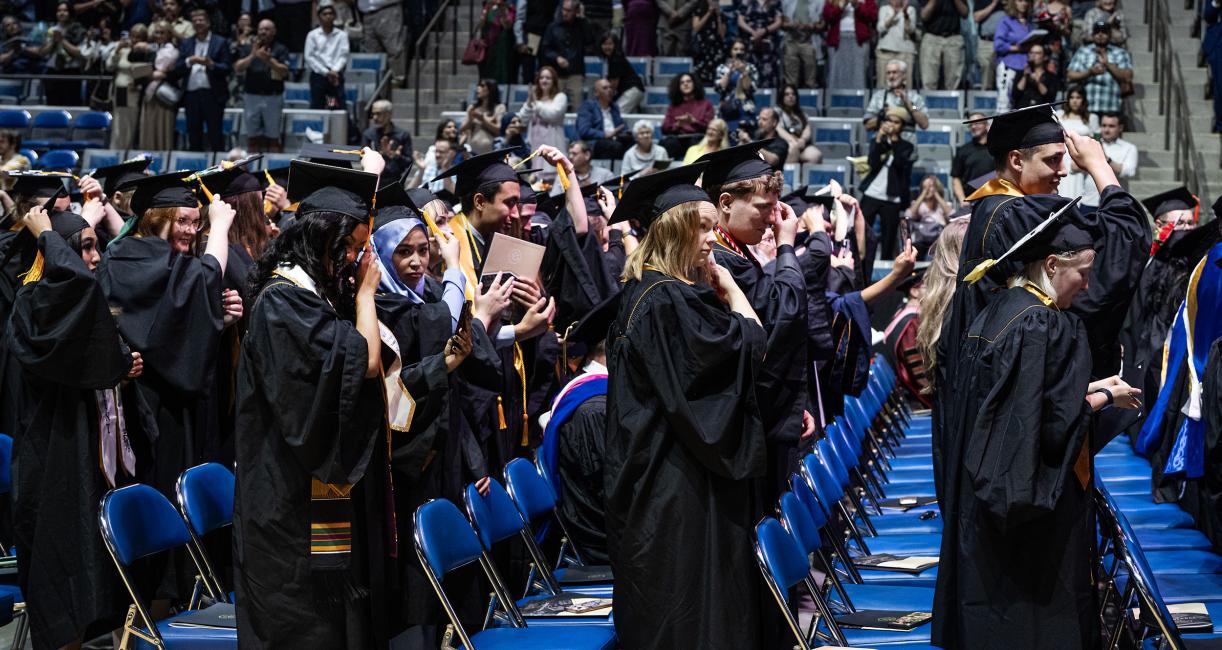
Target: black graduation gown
{"points": [[684, 449], [305, 410], [574, 271], [17, 252], [580, 460], [1015, 568], [217, 444], [65, 344]]}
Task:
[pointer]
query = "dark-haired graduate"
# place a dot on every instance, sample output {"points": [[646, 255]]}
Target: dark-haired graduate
{"points": [[80, 415], [312, 526], [1021, 399], [684, 443]]}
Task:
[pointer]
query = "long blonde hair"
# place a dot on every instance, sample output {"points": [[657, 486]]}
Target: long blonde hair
{"points": [[669, 246], [939, 288]]}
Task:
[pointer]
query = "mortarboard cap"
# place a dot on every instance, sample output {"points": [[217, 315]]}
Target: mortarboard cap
{"points": [[38, 184], [916, 277], [231, 179], [590, 194], [1064, 231], [1026, 127], [593, 327], [67, 224], [171, 190], [1177, 199], [738, 163], [112, 176], [325, 188], [551, 204], [335, 155], [647, 197], [447, 196], [477, 172], [393, 193]]}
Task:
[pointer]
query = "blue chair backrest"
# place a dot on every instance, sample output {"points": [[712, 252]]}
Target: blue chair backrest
{"points": [[94, 120], [52, 120], [299, 123], [799, 522], [671, 66], [818, 478], [943, 101], [444, 537], [810, 98], [59, 159], [529, 490], [834, 133], [14, 119], [12, 88], [846, 99], [930, 136], [806, 498], [495, 516], [205, 493], [781, 554], [986, 102], [371, 61], [641, 65], [6, 463], [29, 154], [138, 521], [656, 97], [156, 159]]}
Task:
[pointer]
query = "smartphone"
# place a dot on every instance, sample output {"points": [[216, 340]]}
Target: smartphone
{"points": [[464, 318], [485, 282]]}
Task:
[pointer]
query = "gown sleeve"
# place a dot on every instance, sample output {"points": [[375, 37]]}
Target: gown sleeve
{"points": [[701, 363], [310, 367], [1032, 422], [573, 271], [62, 330], [815, 266]]}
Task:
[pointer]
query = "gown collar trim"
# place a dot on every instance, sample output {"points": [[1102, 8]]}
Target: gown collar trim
{"points": [[996, 186]]}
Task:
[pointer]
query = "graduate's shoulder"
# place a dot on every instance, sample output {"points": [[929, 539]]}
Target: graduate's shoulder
{"points": [[1018, 311]]}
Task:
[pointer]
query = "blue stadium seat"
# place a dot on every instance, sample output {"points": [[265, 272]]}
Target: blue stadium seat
{"points": [[656, 98], [296, 95], [791, 173], [49, 129], [641, 65], [11, 91], [811, 100], [823, 173], [372, 61], [157, 159], [834, 139], [190, 160], [982, 101], [90, 129], [944, 104], [938, 141], [29, 154], [846, 103], [94, 158], [666, 68], [595, 66], [18, 119], [62, 160]]}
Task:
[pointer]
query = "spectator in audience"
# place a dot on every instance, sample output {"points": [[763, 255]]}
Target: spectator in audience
{"points": [[544, 109], [737, 106], [243, 33], [17, 56], [897, 40], [735, 67], [1102, 69], [295, 18], [802, 43], [1011, 56], [135, 50], [529, 24], [928, 215], [629, 90], [987, 14], [716, 138], [483, 121], [512, 136], [1075, 116], [1121, 156], [760, 22], [675, 32], [850, 26], [393, 143], [600, 124], [884, 189], [1054, 17], [203, 74], [441, 156], [1036, 84], [171, 13], [897, 94], [62, 50], [156, 116], [776, 151], [265, 65], [100, 43], [586, 173], [1105, 11], [449, 130], [942, 45], [708, 39], [495, 24], [564, 46], [687, 116], [645, 154], [795, 129], [11, 159], [1211, 48], [972, 159], [641, 27], [384, 30], [326, 57]]}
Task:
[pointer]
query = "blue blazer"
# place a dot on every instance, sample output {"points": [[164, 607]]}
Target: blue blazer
{"points": [[590, 120], [218, 76]]}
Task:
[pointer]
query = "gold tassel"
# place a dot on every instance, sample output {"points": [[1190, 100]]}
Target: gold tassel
{"points": [[500, 413], [268, 208], [979, 271], [35, 273], [519, 364], [563, 176]]}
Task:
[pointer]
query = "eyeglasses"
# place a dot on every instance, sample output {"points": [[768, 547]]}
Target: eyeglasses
{"points": [[193, 224]]}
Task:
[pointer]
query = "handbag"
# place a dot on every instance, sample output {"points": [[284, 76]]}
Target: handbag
{"points": [[476, 50], [168, 94]]}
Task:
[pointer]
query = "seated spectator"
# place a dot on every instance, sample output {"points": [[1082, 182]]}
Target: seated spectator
{"points": [[897, 40], [942, 46], [384, 137], [1075, 116], [687, 116], [600, 124], [738, 107], [264, 62], [62, 50], [483, 121], [629, 90], [760, 21], [884, 189], [777, 150], [1102, 69], [928, 214], [512, 136], [716, 138], [1036, 84], [587, 174], [1011, 56], [795, 129], [442, 157], [326, 56], [850, 28], [709, 31], [897, 94], [1121, 155], [171, 13], [17, 55], [972, 159], [11, 159], [1105, 11], [645, 154]]}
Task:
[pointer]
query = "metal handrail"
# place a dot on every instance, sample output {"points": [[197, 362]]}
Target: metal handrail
{"points": [[420, 49], [1178, 135]]}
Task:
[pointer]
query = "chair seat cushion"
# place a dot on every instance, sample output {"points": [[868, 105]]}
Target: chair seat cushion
{"points": [[924, 462], [859, 637], [558, 637], [1172, 539], [1128, 485], [905, 522], [191, 638], [1183, 562], [1159, 519], [905, 476], [1180, 588], [916, 599]]}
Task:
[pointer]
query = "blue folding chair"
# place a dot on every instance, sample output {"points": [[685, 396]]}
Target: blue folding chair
{"points": [[846, 103], [205, 499], [11, 91], [59, 160], [15, 119], [445, 542], [137, 521], [90, 129], [10, 594], [49, 129]]}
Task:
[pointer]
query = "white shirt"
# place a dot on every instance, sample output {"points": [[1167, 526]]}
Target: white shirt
{"points": [[848, 24], [635, 160], [198, 78], [1120, 151], [608, 123], [326, 52], [893, 39], [878, 187]]}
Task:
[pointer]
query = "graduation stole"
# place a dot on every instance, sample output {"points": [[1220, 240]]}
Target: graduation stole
{"points": [[467, 252], [114, 446], [728, 242], [994, 187]]}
